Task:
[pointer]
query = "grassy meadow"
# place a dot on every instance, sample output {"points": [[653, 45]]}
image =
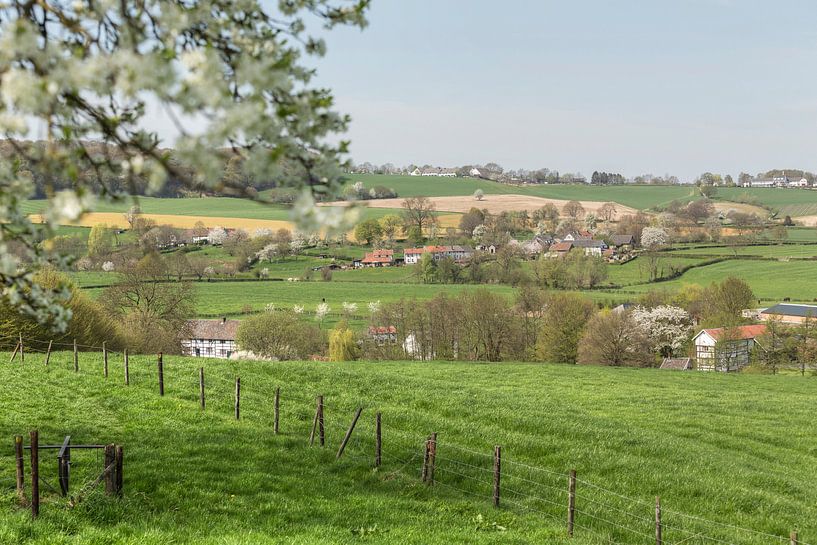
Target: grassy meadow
{"points": [[711, 445]]}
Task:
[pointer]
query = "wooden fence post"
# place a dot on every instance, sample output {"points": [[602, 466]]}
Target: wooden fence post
{"points": [[48, 352], [571, 502], [321, 434], [14, 354], [348, 433], [201, 387], [161, 375], [428, 459], [497, 473], [105, 359], [127, 369], [237, 398], [76, 357], [658, 537], [21, 472], [318, 420], [22, 352], [793, 540], [276, 410], [119, 457], [35, 473], [378, 441], [110, 470]]}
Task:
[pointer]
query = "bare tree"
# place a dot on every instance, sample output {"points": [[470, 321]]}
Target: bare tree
{"points": [[418, 212], [573, 210], [607, 212]]}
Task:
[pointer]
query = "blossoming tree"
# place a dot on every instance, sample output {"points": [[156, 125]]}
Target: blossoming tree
{"points": [[90, 70]]}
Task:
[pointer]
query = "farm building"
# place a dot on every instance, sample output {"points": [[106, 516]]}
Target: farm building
{"points": [[578, 235], [789, 313], [725, 349], [623, 241], [377, 258], [383, 334], [211, 338], [591, 247], [457, 253]]}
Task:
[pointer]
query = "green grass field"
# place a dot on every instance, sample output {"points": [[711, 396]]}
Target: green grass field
{"points": [[776, 251], [792, 202], [641, 197], [770, 280], [712, 446]]}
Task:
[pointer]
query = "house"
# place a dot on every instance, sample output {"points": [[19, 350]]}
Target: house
{"points": [[383, 334], [456, 252], [211, 338], [725, 349], [577, 235], [623, 241], [537, 245], [412, 255], [560, 249], [377, 258], [678, 364], [475, 172], [591, 247], [436, 171], [789, 313], [489, 248], [416, 172]]}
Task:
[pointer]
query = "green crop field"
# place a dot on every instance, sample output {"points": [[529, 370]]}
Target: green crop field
{"points": [[792, 202], [770, 280], [712, 446], [772, 251], [636, 196]]}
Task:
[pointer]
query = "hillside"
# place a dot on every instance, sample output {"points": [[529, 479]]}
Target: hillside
{"points": [[712, 446]]}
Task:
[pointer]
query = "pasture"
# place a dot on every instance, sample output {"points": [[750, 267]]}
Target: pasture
{"points": [[727, 467]]}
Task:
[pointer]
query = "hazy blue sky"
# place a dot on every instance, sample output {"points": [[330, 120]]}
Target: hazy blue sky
{"points": [[660, 86]]}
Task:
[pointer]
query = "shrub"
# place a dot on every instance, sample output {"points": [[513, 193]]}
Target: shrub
{"points": [[280, 335]]}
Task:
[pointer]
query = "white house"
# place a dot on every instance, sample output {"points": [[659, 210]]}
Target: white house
{"points": [[457, 253], [725, 349], [211, 338], [444, 172], [475, 172], [416, 172]]}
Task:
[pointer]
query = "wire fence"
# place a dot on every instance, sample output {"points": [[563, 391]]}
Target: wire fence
{"points": [[603, 514]]}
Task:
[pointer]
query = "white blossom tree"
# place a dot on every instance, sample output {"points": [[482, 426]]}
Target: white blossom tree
{"points": [[267, 253], [87, 71], [217, 235], [654, 238], [668, 328], [479, 194], [321, 311], [298, 309], [108, 266]]}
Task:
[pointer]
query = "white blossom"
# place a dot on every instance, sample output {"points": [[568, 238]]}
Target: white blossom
{"points": [[321, 311], [298, 309], [269, 307], [654, 237], [108, 266], [349, 308], [666, 326], [374, 306], [217, 235]]}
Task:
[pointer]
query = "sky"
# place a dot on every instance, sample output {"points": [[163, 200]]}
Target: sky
{"points": [[632, 86]]}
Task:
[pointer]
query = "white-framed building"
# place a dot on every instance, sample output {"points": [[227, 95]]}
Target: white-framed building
{"points": [[725, 349], [456, 252], [416, 172], [211, 338]]}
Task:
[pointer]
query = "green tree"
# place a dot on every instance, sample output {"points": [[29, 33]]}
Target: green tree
{"points": [[427, 268], [390, 225], [368, 231], [100, 241], [563, 322], [280, 335]]}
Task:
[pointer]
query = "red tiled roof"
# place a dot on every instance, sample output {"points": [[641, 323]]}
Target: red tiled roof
{"points": [[738, 333], [382, 253], [561, 247], [376, 259], [382, 330], [414, 251]]}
